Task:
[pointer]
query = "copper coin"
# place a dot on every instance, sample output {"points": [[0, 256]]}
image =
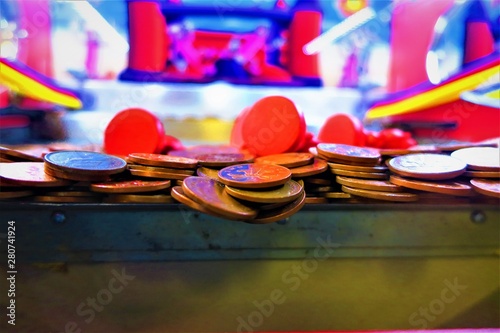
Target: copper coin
{"points": [[320, 189], [211, 194], [139, 198], [349, 153], [375, 168], [166, 161], [447, 187], [318, 166], [373, 185], [130, 186], [479, 158], [74, 176], [313, 151], [15, 194], [427, 166], [378, 195], [254, 175], [317, 181], [71, 194], [281, 213], [346, 162], [222, 160], [188, 172], [456, 145], [159, 175], [411, 150], [207, 172], [5, 160], [179, 195], [316, 200], [336, 195], [65, 199], [20, 156], [289, 160], [178, 182], [358, 174], [481, 174], [486, 187], [85, 163], [29, 174], [285, 193]]}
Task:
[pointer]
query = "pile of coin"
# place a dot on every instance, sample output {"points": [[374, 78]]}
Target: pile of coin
{"points": [[225, 182]]}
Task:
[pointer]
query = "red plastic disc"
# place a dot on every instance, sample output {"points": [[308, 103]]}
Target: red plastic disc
{"points": [[134, 131], [236, 135], [342, 128], [271, 126]]}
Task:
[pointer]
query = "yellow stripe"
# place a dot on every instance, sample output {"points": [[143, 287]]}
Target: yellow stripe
{"points": [[494, 94], [437, 96], [25, 85]]}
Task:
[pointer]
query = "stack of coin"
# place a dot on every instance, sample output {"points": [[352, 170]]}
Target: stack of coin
{"points": [[251, 192], [160, 166]]}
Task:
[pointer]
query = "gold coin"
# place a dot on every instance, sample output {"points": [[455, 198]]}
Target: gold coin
{"points": [[443, 187], [360, 168], [369, 184], [14, 194], [281, 213], [160, 175], [318, 166], [211, 194], [187, 172], [285, 193], [166, 161], [387, 196], [130, 186], [289, 160], [207, 172], [29, 174], [139, 198], [358, 174]]}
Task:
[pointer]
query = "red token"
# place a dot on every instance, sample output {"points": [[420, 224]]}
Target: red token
{"points": [[342, 128], [134, 131], [236, 135], [272, 126]]}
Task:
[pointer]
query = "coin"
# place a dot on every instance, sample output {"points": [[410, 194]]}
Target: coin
{"points": [[254, 175], [130, 186], [336, 195], [289, 160], [313, 151], [319, 189], [222, 160], [479, 158], [427, 166], [85, 163], [207, 172], [280, 213], [375, 168], [318, 166], [18, 156], [211, 194], [317, 181], [139, 198], [74, 176], [349, 153], [365, 184], [158, 174], [15, 194], [456, 145], [486, 187], [70, 193], [166, 161], [285, 193], [179, 195], [412, 150], [358, 174], [188, 172], [316, 200], [481, 174], [444, 187], [387, 196], [29, 174], [5, 160]]}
